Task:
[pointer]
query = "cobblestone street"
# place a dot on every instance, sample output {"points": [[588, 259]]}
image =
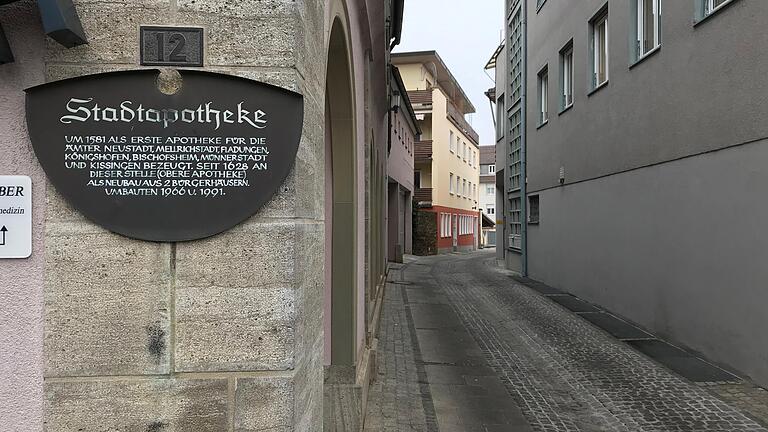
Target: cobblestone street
{"points": [[465, 347]]}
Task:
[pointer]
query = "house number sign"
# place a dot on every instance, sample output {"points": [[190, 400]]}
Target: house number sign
{"points": [[161, 167], [171, 46]]}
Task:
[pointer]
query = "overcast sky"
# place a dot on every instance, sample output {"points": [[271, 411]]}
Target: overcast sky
{"points": [[465, 34]]}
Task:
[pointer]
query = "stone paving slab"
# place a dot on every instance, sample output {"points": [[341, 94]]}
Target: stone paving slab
{"points": [[568, 375], [475, 350]]}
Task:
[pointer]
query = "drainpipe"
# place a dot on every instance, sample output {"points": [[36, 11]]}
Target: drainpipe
{"points": [[523, 146]]}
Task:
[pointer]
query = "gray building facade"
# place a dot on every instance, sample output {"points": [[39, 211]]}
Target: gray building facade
{"points": [[644, 158]]}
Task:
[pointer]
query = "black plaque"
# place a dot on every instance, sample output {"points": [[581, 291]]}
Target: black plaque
{"points": [[165, 167], [171, 46]]}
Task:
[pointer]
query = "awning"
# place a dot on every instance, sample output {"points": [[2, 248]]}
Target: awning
{"points": [[488, 222]]}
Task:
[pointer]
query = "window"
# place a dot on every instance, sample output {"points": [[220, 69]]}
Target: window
{"points": [[705, 8], [489, 190], [417, 179], [599, 34], [450, 185], [451, 143], [458, 185], [533, 209], [491, 169], [474, 191], [647, 23], [464, 151], [491, 210], [543, 94], [711, 6], [464, 188], [500, 117], [445, 225], [566, 76]]}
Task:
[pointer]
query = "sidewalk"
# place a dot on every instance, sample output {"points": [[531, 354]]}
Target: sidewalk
{"points": [[432, 375]]}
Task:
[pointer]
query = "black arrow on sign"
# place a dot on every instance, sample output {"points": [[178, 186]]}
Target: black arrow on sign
{"points": [[3, 230]]}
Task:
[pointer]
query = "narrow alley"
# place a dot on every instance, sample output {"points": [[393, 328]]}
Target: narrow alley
{"points": [[465, 347]]}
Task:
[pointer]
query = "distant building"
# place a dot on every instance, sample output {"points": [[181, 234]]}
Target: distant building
{"points": [[447, 159], [404, 132], [487, 199], [640, 127]]}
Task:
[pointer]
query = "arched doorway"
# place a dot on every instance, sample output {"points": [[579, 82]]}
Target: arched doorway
{"points": [[340, 204]]}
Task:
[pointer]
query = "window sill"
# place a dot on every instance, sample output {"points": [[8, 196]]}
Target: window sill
{"points": [[566, 109], [645, 56], [713, 13], [533, 223], [598, 88], [542, 124]]}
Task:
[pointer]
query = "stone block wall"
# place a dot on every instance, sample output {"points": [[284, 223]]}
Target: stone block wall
{"points": [[222, 334]]}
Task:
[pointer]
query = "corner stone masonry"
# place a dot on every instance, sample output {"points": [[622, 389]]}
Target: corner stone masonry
{"points": [[223, 334]]}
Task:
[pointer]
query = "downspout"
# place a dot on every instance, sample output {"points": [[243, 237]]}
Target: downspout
{"points": [[523, 146]]}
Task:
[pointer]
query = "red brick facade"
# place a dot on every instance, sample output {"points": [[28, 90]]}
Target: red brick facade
{"points": [[445, 238]]}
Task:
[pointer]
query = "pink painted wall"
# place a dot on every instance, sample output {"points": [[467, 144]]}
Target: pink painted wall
{"points": [[400, 162], [365, 19], [21, 281]]}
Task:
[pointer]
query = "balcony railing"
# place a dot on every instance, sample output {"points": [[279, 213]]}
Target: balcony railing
{"points": [[422, 152], [458, 119], [420, 97], [423, 195]]}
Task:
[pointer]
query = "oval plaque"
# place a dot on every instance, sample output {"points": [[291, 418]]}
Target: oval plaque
{"points": [[164, 167]]}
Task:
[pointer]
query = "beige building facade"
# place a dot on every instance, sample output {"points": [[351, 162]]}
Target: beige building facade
{"points": [[447, 159]]}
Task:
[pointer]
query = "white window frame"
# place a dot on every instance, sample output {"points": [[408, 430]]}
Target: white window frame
{"points": [[710, 8], [458, 186], [566, 76], [490, 209], [543, 95], [492, 169], [451, 144], [601, 19], [640, 50], [450, 184]]}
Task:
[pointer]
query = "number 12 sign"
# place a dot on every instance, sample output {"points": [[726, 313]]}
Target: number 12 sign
{"points": [[171, 46]]}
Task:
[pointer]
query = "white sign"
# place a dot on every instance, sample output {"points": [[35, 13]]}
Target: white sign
{"points": [[15, 217]]}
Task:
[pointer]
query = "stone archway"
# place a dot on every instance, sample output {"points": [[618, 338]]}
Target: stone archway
{"points": [[340, 203]]}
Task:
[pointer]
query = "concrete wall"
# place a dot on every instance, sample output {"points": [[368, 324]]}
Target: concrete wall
{"points": [[502, 157], [21, 281], [683, 96], [677, 246], [672, 247]]}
